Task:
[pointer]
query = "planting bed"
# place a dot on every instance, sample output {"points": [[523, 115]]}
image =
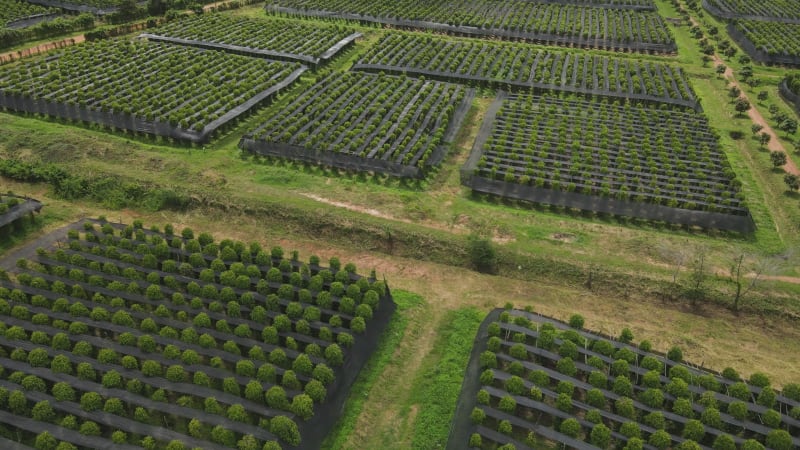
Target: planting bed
{"points": [[532, 381], [603, 156], [274, 39], [13, 207], [12, 11], [120, 337], [768, 42], [153, 88], [773, 10], [395, 125], [504, 65], [552, 23]]}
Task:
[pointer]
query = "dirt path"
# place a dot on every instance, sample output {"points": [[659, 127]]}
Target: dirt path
{"points": [[41, 48]]}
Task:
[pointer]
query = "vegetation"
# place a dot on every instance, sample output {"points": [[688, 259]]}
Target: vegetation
{"points": [[563, 397], [142, 79], [776, 39], [132, 341], [280, 36], [557, 23], [390, 123]]}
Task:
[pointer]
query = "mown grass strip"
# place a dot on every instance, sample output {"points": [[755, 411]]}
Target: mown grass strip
{"points": [[438, 384], [383, 354]]}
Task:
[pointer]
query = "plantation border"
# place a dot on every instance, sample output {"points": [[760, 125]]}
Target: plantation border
{"points": [[790, 97], [31, 20], [527, 85], [463, 30], [758, 54], [314, 430], [257, 52], [608, 5], [137, 124], [19, 210], [716, 12], [75, 7], [358, 163], [462, 425], [739, 223]]}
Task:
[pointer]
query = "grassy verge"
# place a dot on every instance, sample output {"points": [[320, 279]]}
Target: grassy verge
{"points": [[438, 384], [360, 391]]}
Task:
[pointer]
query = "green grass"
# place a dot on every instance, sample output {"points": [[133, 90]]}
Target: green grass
{"points": [[438, 383], [372, 369]]}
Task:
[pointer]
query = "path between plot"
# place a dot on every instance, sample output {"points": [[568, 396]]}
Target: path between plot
{"points": [[46, 47]]}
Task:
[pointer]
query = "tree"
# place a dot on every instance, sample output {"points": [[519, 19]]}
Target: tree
{"points": [[779, 440], [764, 138], [91, 401], [45, 441], [570, 427], [482, 254], [742, 106], [763, 95], [742, 265], [792, 181], [734, 92], [576, 321], [694, 430], [788, 125], [724, 442], [285, 429], [43, 411], [600, 436], [778, 158], [660, 440], [756, 128], [720, 69], [303, 406]]}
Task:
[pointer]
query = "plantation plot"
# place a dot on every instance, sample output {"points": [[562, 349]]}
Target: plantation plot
{"points": [[395, 125], [274, 39], [13, 208], [90, 6], [504, 65], [768, 42], [552, 23], [609, 157], [135, 337], [152, 88], [532, 382], [773, 10], [16, 13], [789, 88]]}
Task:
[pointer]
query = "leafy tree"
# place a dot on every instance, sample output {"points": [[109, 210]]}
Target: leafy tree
{"points": [[779, 440], [660, 440], [792, 181], [625, 408], [43, 411], [482, 254], [778, 158], [751, 444], [285, 429], [630, 430], [45, 441], [570, 427], [600, 436], [91, 401], [764, 138], [694, 430], [303, 406], [63, 392], [477, 415], [724, 442]]}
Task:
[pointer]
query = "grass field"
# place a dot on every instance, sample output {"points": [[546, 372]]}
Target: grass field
{"points": [[415, 234]]}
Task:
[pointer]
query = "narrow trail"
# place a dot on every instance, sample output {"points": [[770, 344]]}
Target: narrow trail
{"points": [[774, 145]]}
